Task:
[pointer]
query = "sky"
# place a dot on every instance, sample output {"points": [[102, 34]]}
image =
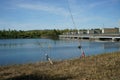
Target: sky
{"points": [[55, 14]]}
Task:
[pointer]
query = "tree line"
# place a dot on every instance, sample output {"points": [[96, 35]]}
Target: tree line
{"points": [[18, 34]]}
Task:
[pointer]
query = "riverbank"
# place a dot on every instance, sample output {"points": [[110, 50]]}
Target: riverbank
{"points": [[100, 67]]}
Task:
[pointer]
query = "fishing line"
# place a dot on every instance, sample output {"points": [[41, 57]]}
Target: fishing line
{"points": [[80, 47], [71, 14]]}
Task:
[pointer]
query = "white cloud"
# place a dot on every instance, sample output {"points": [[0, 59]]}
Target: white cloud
{"points": [[102, 3], [45, 7], [82, 12], [18, 26], [29, 26]]}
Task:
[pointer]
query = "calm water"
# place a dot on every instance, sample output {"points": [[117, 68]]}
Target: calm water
{"points": [[18, 51]]}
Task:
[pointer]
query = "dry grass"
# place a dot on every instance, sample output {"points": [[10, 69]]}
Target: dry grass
{"points": [[100, 67]]}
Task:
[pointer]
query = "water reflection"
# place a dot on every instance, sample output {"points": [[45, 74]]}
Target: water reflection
{"points": [[32, 50], [11, 45], [111, 45]]}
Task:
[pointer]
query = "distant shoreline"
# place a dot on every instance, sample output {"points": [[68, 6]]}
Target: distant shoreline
{"points": [[14, 34]]}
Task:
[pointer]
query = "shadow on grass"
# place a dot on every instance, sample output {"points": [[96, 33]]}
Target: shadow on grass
{"points": [[39, 77]]}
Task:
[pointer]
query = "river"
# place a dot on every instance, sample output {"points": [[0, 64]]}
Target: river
{"points": [[20, 51]]}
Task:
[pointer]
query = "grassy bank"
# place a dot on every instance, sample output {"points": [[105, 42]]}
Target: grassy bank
{"points": [[100, 67]]}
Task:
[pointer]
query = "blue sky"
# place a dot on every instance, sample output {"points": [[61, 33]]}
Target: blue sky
{"points": [[54, 14]]}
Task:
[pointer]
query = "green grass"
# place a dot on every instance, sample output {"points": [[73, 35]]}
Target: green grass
{"points": [[100, 67]]}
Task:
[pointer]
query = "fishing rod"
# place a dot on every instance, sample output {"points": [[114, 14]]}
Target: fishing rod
{"points": [[45, 51], [80, 47], [71, 15], [46, 55]]}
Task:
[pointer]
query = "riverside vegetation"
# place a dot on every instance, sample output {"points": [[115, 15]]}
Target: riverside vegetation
{"points": [[14, 34], [18, 34], [97, 67]]}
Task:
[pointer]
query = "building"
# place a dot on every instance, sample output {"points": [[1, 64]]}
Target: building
{"points": [[110, 30], [82, 31], [90, 31], [94, 31]]}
